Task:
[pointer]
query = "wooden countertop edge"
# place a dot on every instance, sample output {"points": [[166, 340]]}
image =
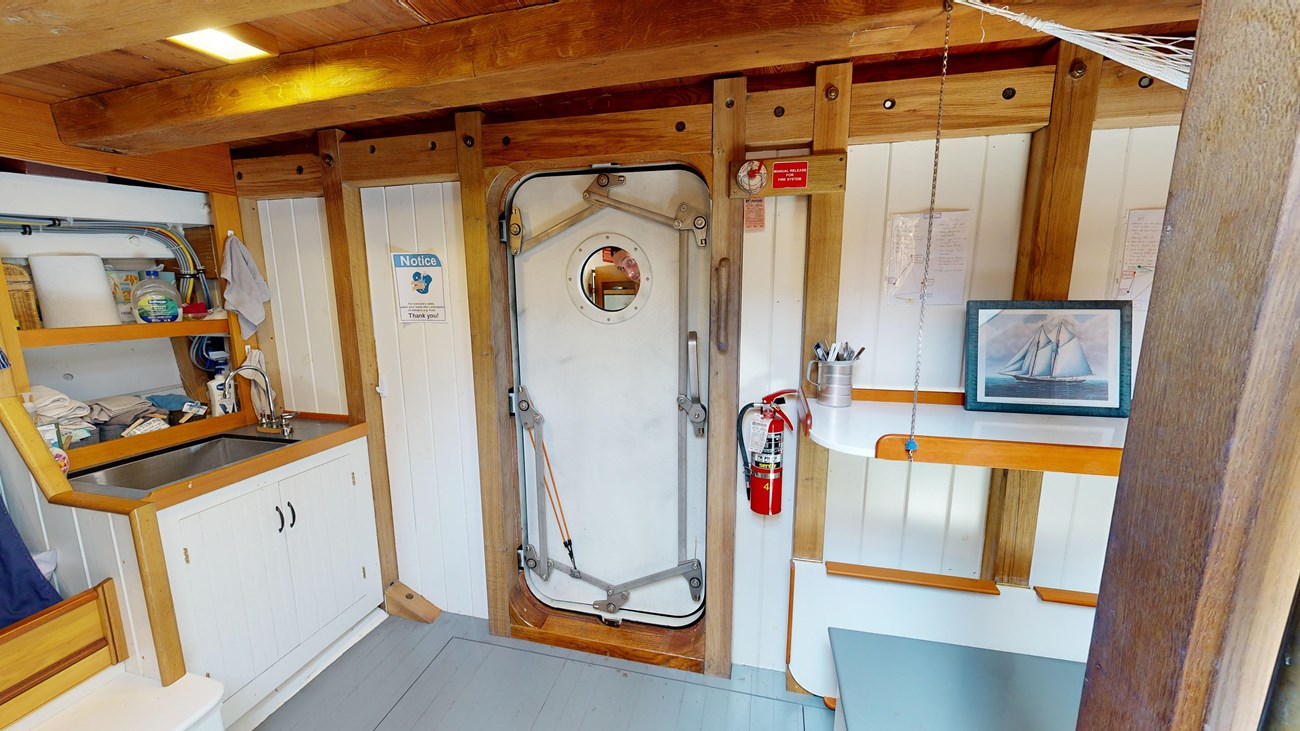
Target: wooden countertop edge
{"points": [[915, 578], [175, 494]]}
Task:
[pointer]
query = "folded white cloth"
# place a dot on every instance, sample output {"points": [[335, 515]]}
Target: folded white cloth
{"points": [[53, 406], [106, 408], [246, 291]]}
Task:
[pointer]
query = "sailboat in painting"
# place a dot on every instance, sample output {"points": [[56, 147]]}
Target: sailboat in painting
{"points": [[1048, 359]]}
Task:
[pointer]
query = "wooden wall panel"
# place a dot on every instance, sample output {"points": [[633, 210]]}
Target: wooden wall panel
{"points": [[426, 375]]}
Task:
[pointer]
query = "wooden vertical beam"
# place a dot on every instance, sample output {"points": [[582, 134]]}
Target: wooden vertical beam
{"points": [[157, 589], [226, 217], [252, 238], [1204, 552], [724, 372], [1058, 159], [489, 329], [1010, 526], [821, 295], [347, 244]]}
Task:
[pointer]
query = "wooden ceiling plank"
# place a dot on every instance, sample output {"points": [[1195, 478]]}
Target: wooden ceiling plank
{"points": [[35, 34], [531, 52], [27, 133]]}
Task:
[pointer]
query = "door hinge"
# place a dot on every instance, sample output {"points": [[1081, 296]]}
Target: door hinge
{"points": [[354, 479], [363, 572], [186, 551]]}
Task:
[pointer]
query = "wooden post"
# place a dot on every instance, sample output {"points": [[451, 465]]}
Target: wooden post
{"points": [[1058, 159], [724, 370], [351, 272], [1010, 526], [821, 295], [489, 328], [1204, 551]]}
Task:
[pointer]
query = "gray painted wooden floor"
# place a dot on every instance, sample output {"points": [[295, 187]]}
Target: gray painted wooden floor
{"points": [[452, 675]]}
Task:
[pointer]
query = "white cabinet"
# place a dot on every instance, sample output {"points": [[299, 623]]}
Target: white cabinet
{"points": [[268, 572]]}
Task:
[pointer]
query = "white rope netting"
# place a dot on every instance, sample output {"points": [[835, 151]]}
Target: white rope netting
{"points": [[1164, 57]]}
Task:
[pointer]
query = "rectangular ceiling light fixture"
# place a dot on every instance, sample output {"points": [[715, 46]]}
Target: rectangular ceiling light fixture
{"points": [[220, 44]]}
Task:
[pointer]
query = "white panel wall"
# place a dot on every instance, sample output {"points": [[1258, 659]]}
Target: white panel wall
{"points": [[770, 331], [426, 373], [298, 270]]}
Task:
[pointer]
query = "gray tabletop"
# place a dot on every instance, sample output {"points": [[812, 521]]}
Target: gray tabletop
{"points": [[899, 684]]}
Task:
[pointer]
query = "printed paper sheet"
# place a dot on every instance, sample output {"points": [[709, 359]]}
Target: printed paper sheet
{"points": [[949, 251]]}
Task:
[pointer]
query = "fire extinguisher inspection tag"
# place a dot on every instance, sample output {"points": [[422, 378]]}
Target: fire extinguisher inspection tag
{"points": [[757, 435]]}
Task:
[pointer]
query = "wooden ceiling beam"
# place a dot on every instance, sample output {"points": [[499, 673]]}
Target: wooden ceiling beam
{"points": [[980, 109], [536, 51], [35, 34]]}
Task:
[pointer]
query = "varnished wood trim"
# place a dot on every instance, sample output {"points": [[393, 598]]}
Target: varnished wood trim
{"points": [[1066, 596], [824, 173], [915, 578], [32, 448], [157, 594], [98, 503], [789, 616], [1011, 526], [897, 396], [27, 132], [110, 617], [46, 616], [830, 702], [111, 451], [47, 672], [831, 123], [402, 601], [226, 218], [322, 417], [179, 492], [681, 648], [53, 336], [726, 264], [1069, 458]]}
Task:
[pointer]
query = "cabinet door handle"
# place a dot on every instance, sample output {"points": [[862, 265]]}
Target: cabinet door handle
{"points": [[280, 513], [293, 515]]}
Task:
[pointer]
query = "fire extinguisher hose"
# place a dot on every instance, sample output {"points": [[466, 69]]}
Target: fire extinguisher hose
{"points": [[740, 440], [553, 496]]}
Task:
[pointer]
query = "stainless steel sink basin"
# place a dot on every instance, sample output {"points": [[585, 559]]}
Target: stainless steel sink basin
{"points": [[151, 472]]}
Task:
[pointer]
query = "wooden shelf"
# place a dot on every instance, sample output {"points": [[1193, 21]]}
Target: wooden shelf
{"points": [[111, 451], [52, 336], [1066, 596], [949, 434], [915, 578]]}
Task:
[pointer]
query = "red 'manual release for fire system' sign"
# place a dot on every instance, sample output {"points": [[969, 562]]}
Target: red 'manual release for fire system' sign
{"points": [[790, 174]]}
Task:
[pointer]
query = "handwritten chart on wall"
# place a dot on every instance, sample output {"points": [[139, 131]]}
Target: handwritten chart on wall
{"points": [[1141, 244], [949, 248]]}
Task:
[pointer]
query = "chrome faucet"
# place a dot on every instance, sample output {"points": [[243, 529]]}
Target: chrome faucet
{"points": [[274, 421]]}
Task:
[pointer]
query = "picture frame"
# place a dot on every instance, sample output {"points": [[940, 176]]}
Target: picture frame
{"points": [[1050, 357]]}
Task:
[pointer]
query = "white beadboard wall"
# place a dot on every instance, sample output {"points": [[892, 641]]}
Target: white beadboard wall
{"points": [[302, 304], [426, 373], [772, 307]]}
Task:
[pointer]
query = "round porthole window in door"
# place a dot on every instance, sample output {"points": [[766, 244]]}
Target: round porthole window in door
{"points": [[609, 278]]}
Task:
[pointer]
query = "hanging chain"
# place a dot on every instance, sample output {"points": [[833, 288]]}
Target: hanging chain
{"points": [[929, 229]]}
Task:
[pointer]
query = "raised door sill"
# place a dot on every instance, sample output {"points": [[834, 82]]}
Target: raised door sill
{"points": [[949, 434]]}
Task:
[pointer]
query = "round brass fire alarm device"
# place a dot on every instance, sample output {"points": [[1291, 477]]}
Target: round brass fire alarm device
{"points": [[752, 176]]}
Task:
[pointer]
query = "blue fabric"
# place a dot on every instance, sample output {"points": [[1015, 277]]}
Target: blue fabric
{"points": [[23, 589], [168, 401]]}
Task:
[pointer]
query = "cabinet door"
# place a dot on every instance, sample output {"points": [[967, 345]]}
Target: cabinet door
{"points": [[236, 569], [327, 553]]}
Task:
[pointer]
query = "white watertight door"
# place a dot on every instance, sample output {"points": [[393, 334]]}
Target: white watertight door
{"points": [[609, 295]]}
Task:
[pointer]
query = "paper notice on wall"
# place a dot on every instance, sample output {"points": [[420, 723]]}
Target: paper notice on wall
{"points": [[949, 247], [755, 214], [420, 288], [1141, 244]]}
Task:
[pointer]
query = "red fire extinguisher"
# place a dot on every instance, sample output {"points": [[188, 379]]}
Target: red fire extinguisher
{"points": [[763, 465]]}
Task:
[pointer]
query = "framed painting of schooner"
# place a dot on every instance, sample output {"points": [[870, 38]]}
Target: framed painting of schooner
{"points": [[1049, 357]]}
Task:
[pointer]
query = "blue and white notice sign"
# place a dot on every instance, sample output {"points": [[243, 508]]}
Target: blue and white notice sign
{"points": [[420, 291]]}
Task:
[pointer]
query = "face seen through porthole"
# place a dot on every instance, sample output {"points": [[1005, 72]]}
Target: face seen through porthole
{"points": [[611, 277]]}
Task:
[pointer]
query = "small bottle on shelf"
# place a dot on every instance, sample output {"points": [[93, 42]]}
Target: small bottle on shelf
{"points": [[153, 300]]}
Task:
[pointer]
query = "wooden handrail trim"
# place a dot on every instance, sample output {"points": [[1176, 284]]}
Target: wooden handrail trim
{"points": [[1036, 456], [899, 396], [915, 578], [47, 615], [1066, 596]]}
